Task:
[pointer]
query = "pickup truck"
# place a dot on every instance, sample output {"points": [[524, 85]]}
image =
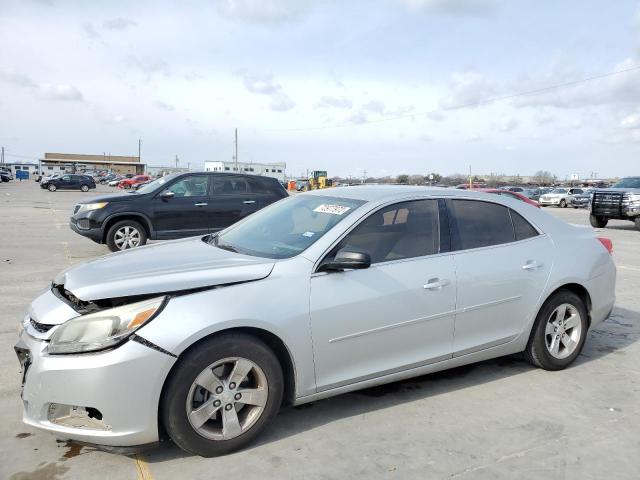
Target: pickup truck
{"points": [[620, 202]]}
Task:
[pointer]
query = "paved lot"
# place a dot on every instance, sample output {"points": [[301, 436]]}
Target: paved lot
{"points": [[497, 419]]}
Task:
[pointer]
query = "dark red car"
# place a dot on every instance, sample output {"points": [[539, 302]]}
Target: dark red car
{"points": [[127, 183], [508, 193]]}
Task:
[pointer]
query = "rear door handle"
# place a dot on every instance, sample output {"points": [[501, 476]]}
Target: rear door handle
{"points": [[436, 284], [531, 265], [200, 204], [249, 202]]}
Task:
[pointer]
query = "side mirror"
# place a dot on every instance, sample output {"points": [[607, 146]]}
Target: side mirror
{"points": [[167, 195], [348, 259]]}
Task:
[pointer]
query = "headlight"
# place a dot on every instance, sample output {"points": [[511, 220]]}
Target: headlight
{"points": [[87, 207], [105, 329], [634, 198]]}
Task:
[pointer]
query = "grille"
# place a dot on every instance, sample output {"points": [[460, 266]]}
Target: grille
{"points": [[607, 202], [40, 327], [83, 224]]}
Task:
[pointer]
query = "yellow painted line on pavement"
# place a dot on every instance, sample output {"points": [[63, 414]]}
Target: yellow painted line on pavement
{"points": [[142, 469]]}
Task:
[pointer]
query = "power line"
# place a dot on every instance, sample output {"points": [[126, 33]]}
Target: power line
{"points": [[461, 106]]}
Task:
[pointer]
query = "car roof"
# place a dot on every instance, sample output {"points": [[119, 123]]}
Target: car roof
{"points": [[371, 193]]}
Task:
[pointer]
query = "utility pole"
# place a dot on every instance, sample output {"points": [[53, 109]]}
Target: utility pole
{"points": [[364, 176], [236, 156], [139, 148], [470, 179], [2, 156], [176, 161]]}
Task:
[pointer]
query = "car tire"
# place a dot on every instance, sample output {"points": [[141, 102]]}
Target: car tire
{"points": [[52, 188], [563, 203], [547, 352], [126, 227], [84, 188], [598, 222], [182, 388], [637, 222]]}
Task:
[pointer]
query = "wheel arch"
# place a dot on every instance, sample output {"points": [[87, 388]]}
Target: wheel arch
{"points": [[275, 343], [573, 287]]}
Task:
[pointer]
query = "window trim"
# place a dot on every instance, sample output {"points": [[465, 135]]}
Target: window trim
{"points": [[444, 225], [453, 227]]}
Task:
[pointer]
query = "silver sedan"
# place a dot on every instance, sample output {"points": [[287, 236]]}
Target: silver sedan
{"points": [[319, 294]]}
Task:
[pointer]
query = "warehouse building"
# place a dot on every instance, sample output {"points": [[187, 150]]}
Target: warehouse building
{"points": [[73, 162], [274, 170]]}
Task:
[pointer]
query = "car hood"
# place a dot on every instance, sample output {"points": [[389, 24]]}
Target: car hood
{"points": [[123, 197], [554, 195], [166, 267], [619, 190]]}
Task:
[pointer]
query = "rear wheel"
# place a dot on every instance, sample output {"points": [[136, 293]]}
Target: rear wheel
{"points": [[563, 203], [599, 222], [222, 394], [84, 188], [126, 234], [52, 188], [559, 332]]}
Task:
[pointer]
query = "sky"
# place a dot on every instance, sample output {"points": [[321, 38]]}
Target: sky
{"points": [[383, 86]]}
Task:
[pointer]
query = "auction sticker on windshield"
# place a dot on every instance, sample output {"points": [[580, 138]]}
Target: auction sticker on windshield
{"points": [[332, 209]]}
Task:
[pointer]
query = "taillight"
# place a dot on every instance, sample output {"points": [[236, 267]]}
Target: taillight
{"points": [[607, 243]]}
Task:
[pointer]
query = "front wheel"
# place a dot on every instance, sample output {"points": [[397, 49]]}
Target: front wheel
{"points": [[599, 222], [563, 203], [52, 188], [84, 188], [222, 394], [126, 234], [559, 332]]}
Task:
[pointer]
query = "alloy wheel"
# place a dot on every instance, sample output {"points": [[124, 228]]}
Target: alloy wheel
{"points": [[227, 398], [127, 237], [563, 331]]}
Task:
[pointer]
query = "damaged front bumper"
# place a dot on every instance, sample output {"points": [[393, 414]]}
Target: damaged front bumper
{"points": [[109, 397]]}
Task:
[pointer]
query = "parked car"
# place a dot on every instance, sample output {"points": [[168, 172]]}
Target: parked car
{"points": [[508, 193], [115, 181], [174, 206], [314, 296], [560, 197], [105, 179], [127, 183], [621, 202], [5, 176], [582, 200], [514, 189], [69, 182]]}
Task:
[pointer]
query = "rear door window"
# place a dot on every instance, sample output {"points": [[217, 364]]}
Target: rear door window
{"points": [[522, 228], [479, 224]]}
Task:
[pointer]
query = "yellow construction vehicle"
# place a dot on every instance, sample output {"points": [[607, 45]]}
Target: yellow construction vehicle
{"points": [[318, 179]]}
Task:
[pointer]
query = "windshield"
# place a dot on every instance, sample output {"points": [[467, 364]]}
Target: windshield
{"points": [[153, 186], [631, 182], [559, 190], [286, 228]]}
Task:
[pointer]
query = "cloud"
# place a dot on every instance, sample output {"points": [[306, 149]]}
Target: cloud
{"points": [[45, 91], [454, 7], [90, 30], [265, 85], [265, 12], [164, 106], [358, 118], [334, 102], [631, 121], [119, 24], [435, 116], [509, 125], [62, 92], [149, 66], [468, 88], [375, 106]]}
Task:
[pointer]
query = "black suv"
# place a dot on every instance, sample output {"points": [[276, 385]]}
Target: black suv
{"points": [[620, 202], [69, 182], [174, 206]]}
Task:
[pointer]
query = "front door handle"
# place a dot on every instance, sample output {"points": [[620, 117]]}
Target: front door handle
{"points": [[200, 204], [531, 265], [249, 202], [435, 284]]}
